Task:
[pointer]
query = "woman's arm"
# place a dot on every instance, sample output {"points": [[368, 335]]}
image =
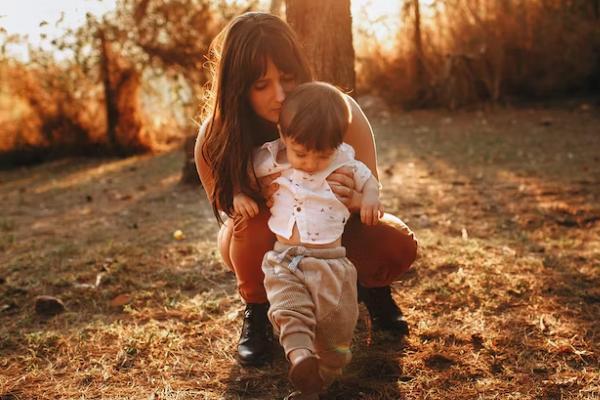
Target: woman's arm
{"points": [[360, 136], [204, 170]]}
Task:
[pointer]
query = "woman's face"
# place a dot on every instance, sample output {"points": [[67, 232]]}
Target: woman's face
{"points": [[268, 92]]}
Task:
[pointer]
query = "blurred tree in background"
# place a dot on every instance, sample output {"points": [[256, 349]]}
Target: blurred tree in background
{"points": [[325, 30], [146, 58], [473, 51], [133, 80]]}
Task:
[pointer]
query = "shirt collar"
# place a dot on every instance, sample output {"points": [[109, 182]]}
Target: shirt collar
{"points": [[273, 147]]}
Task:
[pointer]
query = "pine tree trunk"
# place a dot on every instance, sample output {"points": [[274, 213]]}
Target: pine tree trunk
{"points": [[324, 27]]}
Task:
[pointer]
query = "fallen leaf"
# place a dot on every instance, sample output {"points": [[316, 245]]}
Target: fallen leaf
{"points": [[120, 300]]}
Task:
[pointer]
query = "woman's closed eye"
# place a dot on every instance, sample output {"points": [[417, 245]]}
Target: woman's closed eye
{"points": [[260, 85]]}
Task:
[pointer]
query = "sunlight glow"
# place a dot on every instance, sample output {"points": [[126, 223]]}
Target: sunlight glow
{"points": [[380, 21], [41, 21]]}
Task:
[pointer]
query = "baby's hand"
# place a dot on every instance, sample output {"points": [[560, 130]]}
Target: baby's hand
{"points": [[244, 206], [371, 209]]}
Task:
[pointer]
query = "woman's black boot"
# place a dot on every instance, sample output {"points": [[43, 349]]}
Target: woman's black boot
{"points": [[383, 310], [254, 347]]}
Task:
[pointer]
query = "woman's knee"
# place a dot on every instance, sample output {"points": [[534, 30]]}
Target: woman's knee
{"points": [[381, 253], [402, 244], [224, 242]]}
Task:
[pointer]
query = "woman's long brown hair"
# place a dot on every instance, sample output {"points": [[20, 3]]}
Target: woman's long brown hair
{"points": [[239, 56]]}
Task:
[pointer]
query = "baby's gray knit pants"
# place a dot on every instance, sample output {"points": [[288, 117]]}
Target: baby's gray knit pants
{"points": [[313, 302]]}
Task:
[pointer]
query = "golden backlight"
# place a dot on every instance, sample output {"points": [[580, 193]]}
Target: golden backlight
{"points": [[42, 21], [380, 20]]}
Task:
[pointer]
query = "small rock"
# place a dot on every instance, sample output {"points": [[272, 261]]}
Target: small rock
{"points": [[15, 291], [48, 306], [389, 171], [464, 233], [540, 369], [423, 221], [551, 261], [537, 248], [2, 280], [508, 251], [178, 235], [477, 341], [439, 362], [8, 308]]}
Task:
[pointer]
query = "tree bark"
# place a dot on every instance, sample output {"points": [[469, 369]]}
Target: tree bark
{"points": [[418, 56], [112, 113], [122, 82], [324, 27]]}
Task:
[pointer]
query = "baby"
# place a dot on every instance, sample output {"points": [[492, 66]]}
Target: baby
{"points": [[310, 284]]}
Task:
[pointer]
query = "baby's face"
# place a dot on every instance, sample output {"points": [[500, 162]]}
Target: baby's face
{"points": [[310, 161]]}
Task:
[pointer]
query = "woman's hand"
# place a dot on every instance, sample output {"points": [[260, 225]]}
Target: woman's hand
{"points": [[341, 182], [245, 206], [268, 187]]}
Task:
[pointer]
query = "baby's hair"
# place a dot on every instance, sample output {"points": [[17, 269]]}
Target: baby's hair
{"points": [[315, 115]]}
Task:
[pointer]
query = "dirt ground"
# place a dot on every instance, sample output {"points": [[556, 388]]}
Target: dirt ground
{"points": [[503, 302]]}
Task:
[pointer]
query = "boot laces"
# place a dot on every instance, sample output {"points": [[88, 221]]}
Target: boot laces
{"points": [[254, 320]]}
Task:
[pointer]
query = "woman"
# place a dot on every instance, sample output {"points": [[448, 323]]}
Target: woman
{"points": [[257, 60]]}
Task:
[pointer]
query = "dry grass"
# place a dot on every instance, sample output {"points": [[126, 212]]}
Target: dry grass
{"points": [[504, 300]]}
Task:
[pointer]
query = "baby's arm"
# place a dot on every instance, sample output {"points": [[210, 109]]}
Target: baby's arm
{"points": [[371, 208], [244, 205]]}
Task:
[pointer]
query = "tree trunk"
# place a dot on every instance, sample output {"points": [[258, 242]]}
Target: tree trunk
{"points": [[420, 73], [112, 113], [324, 27], [124, 122]]}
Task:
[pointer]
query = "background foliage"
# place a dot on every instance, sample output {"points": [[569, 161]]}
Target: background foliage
{"points": [[134, 80]]}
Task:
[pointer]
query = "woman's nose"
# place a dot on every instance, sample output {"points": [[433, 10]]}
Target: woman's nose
{"points": [[279, 93]]}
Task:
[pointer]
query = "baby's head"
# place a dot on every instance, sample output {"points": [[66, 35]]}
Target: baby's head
{"points": [[313, 120]]}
